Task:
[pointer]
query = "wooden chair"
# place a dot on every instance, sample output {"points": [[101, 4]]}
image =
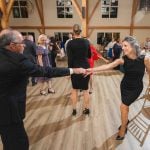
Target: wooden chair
{"points": [[139, 125]]}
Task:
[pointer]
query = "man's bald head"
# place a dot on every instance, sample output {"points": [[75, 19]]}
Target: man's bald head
{"points": [[8, 36]]}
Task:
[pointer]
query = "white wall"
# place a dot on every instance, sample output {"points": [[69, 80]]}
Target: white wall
{"points": [[50, 17]]}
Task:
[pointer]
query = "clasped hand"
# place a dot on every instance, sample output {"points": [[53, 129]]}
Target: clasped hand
{"points": [[83, 71]]}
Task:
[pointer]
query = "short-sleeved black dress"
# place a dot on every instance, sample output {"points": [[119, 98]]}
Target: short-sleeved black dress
{"points": [[132, 84], [78, 51]]}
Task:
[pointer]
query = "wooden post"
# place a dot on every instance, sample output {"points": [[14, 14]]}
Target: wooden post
{"points": [[77, 7], [134, 10], [39, 5], [5, 9], [85, 18]]}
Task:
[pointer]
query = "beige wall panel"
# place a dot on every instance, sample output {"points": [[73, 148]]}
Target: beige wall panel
{"points": [[50, 13], [142, 19], [141, 34], [124, 14], [50, 17]]}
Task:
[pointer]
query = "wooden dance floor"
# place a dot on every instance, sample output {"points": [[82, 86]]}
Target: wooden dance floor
{"points": [[50, 126]]}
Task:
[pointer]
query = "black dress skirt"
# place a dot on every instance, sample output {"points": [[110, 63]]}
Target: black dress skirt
{"points": [[78, 51], [132, 84]]}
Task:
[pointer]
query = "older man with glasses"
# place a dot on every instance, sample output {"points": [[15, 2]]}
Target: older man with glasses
{"points": [[15, 69]]}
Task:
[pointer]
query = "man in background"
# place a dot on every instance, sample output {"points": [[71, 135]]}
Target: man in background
{"points": [[30, 52]]}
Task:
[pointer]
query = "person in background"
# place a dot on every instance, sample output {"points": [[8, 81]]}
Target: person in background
{"points": [[70, 38], [116, 50], [109, 49], [43, 60], [30, 52], [15, 70], [78, 51], [54, 50], [94, 56], [132, 83]]}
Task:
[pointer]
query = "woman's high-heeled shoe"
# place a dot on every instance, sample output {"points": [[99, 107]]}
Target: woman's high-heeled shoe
{"points": [[50, 90], [121, 137], [120, 125], [90, 92], [86, 111], [42, 92], [74, 112]]}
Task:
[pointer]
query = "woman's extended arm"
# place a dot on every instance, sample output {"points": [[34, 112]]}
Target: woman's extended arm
{"points": [[106, 66], [147, 64]]}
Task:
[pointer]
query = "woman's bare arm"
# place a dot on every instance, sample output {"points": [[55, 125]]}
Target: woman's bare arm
{"points": [[40, 60], [106, 66], [147, 64]]}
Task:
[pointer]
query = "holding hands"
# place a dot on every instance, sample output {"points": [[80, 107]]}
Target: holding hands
{"points": [[79, 70]]}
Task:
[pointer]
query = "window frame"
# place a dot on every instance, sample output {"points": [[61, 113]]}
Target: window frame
{"points": [[108, 9], [21, 9], [105, 35], [63, 7]]}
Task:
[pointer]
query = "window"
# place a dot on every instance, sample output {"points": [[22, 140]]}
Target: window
{"points": [[29, 33], [61, 36], [103, 38], [20, 9], [109, 8], [144, 5], [64, 9]]}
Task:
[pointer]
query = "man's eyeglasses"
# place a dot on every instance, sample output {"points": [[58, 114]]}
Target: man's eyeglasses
{"points": [[19, 42]]}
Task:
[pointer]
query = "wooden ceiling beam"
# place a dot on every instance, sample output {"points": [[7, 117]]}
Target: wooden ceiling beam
{"points": [[9, 7], [85, 18], [6, 9], [77, 7], [91, 31], [90, 27], [39, 5], [93, 11], [135, 4]]}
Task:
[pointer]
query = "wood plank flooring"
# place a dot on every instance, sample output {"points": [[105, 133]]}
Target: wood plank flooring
{"points": [[50, 126]]}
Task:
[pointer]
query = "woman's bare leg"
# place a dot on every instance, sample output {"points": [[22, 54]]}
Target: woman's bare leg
{"points": [[74, 98], [124, 109], [86, 98]]}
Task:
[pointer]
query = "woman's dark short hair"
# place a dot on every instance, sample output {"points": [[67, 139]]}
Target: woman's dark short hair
{"points": [[77, 29]]}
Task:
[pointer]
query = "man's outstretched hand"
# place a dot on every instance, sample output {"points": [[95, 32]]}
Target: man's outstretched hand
{"points": [[79, 70]]}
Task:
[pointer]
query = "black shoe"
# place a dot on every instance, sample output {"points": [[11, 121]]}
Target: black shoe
{"points": [[74, 112], [121, 137], [34, 83], [90, 92], [86, 111], [81, 90], [120, 125]]}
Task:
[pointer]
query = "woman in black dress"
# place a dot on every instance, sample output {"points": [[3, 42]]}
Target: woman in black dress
{"points": [[78, 51], [131, 85]]}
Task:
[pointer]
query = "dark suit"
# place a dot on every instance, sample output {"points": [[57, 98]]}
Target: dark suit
{"points": [[14, 72], [30, 52]]}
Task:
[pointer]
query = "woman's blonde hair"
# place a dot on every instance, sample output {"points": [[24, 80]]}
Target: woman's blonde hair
{"points": [[42, 36]]}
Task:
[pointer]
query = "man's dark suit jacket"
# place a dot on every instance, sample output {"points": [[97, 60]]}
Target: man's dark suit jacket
{"points": [[14, 71], [30, 50]]}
